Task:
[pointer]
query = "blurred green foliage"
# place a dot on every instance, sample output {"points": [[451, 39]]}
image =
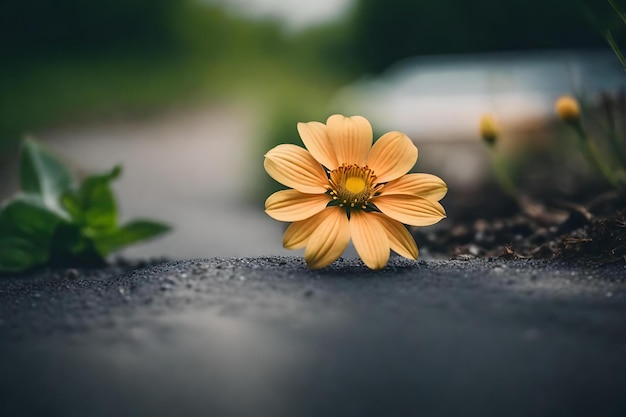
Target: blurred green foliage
{"points": [[32, 29], [388, 30], [69, 60]]}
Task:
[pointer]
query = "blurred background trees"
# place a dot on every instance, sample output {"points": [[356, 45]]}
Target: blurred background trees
{"points": [[386, 31], [70, 60], [32, 29]]}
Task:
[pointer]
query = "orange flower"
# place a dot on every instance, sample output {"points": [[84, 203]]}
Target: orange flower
{"points": [[488, 128], [343, 188], [567, 109]]}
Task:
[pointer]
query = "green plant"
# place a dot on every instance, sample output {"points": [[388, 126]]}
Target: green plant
{"points": [[607, 156], [609, 36], [53, 222], [489, 132]]}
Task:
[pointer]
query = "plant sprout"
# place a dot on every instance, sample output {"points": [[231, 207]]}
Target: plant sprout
{"points": [[51, 221]]}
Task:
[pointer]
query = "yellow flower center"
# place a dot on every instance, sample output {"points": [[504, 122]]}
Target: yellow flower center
{"points": [[355, 184], [352, 186]]}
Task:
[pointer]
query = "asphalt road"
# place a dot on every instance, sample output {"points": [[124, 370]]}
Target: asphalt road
{"points": [[267, 337]]}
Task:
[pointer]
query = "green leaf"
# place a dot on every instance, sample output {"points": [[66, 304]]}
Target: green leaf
{"points": [[26, 227], [70, 202], [43, 174], [28, 216], [98, 201], [17, 254], [69, 247], [132, 232], [67, 239]]}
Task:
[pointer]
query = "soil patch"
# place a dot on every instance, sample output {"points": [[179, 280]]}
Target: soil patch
{"points": [[594, 232]]}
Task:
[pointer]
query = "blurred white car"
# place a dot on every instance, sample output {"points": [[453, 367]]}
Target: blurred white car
{"points": [[443, 97]]}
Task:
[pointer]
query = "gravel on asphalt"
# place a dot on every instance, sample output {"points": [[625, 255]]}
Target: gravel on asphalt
{"points": [[268, 337]]}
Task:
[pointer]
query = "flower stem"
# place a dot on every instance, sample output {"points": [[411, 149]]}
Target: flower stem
{"points": [[618, 10], [502, 174], [613, 45], [592, 153], [617, 148]]}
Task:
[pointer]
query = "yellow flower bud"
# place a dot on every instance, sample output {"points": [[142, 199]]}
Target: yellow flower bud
{"points": [[488, 129], [568, 109]]}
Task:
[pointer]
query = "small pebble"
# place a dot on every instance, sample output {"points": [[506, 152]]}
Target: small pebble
{"points": [[71, 273], [169, 281], [464, 257]]}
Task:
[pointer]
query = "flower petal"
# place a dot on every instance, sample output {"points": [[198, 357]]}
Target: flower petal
{"points": [[329, 240], [392, 156], [298, 233], [351, 138], [369, 238], [399, 237], [409, 209], [292, 205], [295, 167], [426, 186], [314, 137]]}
